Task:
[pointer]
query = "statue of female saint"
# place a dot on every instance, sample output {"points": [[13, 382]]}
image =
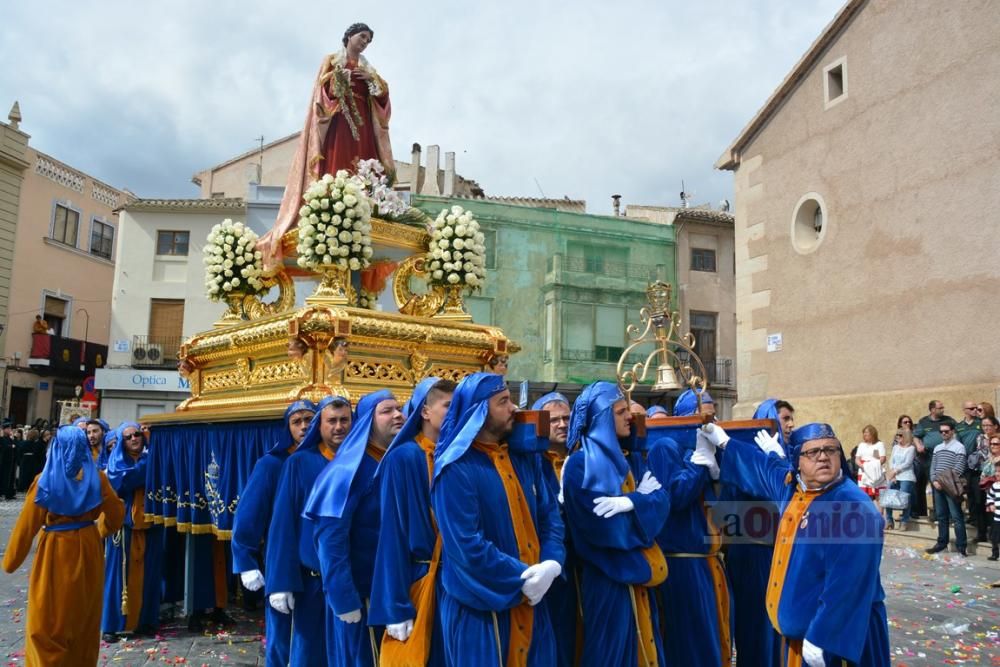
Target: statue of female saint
{"points": [[347, 121]]}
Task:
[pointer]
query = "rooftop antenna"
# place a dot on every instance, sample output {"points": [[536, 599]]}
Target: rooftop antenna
{"points": [[685, 195], [539, 185], [260, 153]]}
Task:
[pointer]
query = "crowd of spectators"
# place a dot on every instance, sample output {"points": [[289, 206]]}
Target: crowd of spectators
{"points": [[22, 456]]}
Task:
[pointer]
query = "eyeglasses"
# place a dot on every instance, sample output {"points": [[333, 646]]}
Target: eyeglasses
{"points": [[978, 409], [814, 454], [994, 443], [130, 436], [946, 431], [907, 421]]}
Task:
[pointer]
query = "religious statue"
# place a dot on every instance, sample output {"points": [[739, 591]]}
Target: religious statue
{"points": [[347, 121]]}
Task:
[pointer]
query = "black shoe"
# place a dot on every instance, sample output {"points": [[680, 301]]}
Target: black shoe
{"points": [[993, 557], [962, 553], [145, 631], [110, 638], [220, 617], [981, 538], [196, 622], [937, 548]]}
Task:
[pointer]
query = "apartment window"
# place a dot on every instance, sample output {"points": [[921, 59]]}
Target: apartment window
{"points": [[102, 238], [606, 260], [65, 225], [592, 332], [491, 248], [835, 82], [703, 328], [172, 243], [56, 313], [166, 323], [703, 259]]}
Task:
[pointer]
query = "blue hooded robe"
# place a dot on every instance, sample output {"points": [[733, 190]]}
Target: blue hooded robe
{"points": [[343, 509], [408, 534], [253, 516], [481, 555], [292, 561], [138, 541], [618, 555], [824, 580]]}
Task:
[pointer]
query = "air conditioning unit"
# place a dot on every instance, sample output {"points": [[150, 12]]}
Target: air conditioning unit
{"points": [[147, 354]]}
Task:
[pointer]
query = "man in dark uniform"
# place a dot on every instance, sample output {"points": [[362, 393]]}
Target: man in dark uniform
{"points": [[8, 460]]}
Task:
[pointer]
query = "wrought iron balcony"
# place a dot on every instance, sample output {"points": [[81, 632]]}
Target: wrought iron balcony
{"points": [[155, 351], [602, 267], [66, 356]]}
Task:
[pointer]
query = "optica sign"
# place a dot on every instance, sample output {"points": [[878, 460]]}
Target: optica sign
{"points": [[131, 379]]}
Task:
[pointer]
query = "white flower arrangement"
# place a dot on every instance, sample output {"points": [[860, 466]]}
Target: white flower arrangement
{"points": [[232, 262], [457, 252], [385, 200], [367, 299], [335, 224]]}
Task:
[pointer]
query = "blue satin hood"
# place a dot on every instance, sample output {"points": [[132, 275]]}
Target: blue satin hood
{"points": [[551, 397], [592, 424], [414, 421], [286, 441], [333, 486], [687, 403], [470, 404], [814, 431], [312, 438], [58, 489], [657, 410], [119, 462]]}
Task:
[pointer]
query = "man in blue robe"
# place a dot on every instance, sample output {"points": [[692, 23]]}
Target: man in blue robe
{"points": [[748, 558], [562, 598], [343, 509], [502, 538], [693, 402], [613, 522], [407, 563], [293, 579], [253, 516], [825, 594]]}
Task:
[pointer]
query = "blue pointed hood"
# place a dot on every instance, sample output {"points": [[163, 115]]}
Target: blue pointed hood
{"points": [[657, 411], [58, 490], [285, 440], [551, 397], [687, 403], [333, 486], [768, 410], [470, 404], [312, 438], [119, 462], [592, 425]]}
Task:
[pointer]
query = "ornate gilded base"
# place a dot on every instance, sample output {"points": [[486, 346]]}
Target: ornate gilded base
{"points": [[454, 306], [334, 287], [233, 314]]}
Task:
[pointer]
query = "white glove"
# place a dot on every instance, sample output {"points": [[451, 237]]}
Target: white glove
{"points": [[699, 458], [283, 602], [400, 631], [769, 443], [812, 655], [648, 484], [714, 434], [253, 580], [607, 506], [351, 616], [537, 580]]}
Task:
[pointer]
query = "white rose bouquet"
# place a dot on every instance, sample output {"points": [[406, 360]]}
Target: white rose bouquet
{"points": [[457, 254], [232, 263], [385, 200], [367, 299], [335, 224]]}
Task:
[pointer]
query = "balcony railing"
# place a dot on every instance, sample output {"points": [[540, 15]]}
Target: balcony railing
{"points": [[66, 356], [603, 267], [155, 351]]}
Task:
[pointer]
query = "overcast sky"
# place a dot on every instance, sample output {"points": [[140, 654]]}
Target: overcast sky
{"points": [[582, 99]]}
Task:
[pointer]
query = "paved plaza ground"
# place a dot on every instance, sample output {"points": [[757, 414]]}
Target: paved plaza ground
{"points": [[941, 611]]}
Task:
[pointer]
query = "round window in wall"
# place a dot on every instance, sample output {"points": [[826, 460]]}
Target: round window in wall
{"points": [[810, 222]]}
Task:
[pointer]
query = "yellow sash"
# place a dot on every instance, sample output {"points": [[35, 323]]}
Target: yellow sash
{"points": [[640, 596], [783, 543], [721, 588], [522, 616], [415, 651]]}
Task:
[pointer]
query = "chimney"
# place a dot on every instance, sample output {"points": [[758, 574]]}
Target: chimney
{"points": [[432, 184], [449, 174], [616, 203], [415, 167]]}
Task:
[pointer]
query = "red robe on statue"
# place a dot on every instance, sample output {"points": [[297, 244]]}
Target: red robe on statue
{"points": [[327, 143]]}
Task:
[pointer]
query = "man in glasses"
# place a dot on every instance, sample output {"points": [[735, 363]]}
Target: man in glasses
{"points": [[947, 469], [824, 594], [926, 437]]}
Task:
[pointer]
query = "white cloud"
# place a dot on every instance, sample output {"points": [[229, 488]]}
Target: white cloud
{"points": [[586, 97]]}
